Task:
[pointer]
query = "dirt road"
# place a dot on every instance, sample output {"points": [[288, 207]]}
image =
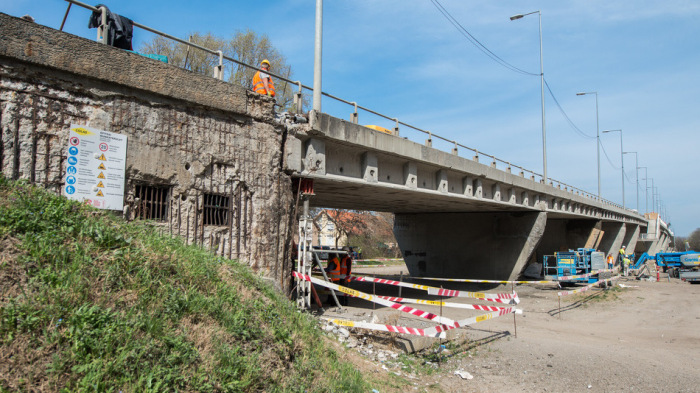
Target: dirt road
{"points": [[644, 337]]}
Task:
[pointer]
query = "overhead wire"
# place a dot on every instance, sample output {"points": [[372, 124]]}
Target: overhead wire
{"points": [[470, 37], [568, 120], [476, 42]]}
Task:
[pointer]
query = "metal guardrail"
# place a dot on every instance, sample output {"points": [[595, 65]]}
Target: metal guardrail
{"points": [[218, 73]]}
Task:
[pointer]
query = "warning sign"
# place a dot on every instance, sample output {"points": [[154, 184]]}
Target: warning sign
{"points": [[96, 167]]}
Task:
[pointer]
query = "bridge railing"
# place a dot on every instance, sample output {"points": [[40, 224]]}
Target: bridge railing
{"points": [[298, 108]]}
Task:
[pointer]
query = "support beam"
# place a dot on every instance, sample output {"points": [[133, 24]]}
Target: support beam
{"points": [[493, 246]]}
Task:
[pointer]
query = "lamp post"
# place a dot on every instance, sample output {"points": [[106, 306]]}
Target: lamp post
{"points": [[646, 189], [544, 133], [623, 165], [636, 171], [597, 132], [317, 56]]}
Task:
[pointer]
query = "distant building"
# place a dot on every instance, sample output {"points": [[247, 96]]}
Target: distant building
{"points": [[327, 231]]}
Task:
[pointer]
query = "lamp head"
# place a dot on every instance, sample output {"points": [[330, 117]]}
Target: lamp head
{"points": [[514, 17]]}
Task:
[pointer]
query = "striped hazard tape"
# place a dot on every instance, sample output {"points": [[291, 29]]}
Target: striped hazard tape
{"points": [[473, 320], [386, 328], [587, 287], [444, 304], [389, 282], [492, 297], [375, 299], [508, 298]]}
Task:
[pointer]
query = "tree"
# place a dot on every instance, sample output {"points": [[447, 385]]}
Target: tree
{"points": [[694, 240], [244, 46]]}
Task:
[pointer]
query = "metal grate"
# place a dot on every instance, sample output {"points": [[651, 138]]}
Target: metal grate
{"points": [[152, 202], [217, 209]]}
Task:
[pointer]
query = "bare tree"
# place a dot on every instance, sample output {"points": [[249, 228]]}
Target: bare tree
{"points": [[694, 240], [244, 46]]}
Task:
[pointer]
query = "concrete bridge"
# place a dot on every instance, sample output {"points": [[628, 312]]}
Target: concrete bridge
{"points": [[194, 140], [456, 216]]}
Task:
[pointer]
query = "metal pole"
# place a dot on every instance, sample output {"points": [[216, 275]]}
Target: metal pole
{"points": [[597, 133], [544, 134], [622, 160], [317, 56]]}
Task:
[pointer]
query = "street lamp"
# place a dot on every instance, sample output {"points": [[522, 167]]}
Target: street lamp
{"points": [[597, 132], [544, 134], [623, 165], [318, 45], [646, 189], [636, 171]]}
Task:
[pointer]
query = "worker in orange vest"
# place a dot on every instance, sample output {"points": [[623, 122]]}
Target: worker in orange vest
{"points": [[333, 268], [262, 83], [345, 272]]}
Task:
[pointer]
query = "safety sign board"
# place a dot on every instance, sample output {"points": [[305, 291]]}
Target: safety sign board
{"points": [[95, 169]]}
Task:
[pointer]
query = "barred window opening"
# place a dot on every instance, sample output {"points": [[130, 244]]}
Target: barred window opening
{"points": [[217, 210], [151, 202]]}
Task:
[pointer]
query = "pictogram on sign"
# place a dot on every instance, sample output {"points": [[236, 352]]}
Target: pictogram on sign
{"points": [[100, 185], [101, 175], [99, 193], [102, 157], [102, 167]]}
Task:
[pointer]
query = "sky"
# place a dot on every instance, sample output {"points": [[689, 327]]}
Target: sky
{"points": [[405, 59]]}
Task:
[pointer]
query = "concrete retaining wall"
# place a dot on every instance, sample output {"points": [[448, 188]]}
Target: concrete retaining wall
{"points": [[191, 138]]}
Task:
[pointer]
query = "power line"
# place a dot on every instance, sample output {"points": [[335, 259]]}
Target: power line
{"points": [[476, 42], [568, 120], [608, 157]]}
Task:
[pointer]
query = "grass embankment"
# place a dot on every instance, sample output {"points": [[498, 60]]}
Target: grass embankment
{"points": [[90, 303]]}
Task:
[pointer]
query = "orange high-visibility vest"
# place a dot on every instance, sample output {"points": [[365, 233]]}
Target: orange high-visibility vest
{"points": [[259, 86], [346, 266], [334, 269]]}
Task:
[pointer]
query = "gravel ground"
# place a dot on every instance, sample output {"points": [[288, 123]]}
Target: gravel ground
{"points": [[643, 337]]}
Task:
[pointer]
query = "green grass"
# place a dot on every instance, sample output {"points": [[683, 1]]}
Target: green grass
{"points": [[91, 303]]}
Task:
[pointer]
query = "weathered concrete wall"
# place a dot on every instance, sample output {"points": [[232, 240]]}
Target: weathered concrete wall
{"points": [[189, 135], [564, 235], [468, 245]]}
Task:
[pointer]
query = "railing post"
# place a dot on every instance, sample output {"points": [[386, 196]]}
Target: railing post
{"points": [[429, 141], [354, 117], [219, 69], [396, 128], [298, 103], [455, 151], [103, 27]]}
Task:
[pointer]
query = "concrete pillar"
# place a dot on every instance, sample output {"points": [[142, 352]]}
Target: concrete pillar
{"points": [[564, 235], [478, 189], [493, 246], [631, 237], [614, 235]]}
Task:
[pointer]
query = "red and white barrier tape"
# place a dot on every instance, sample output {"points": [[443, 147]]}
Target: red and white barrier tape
{"points": [[492, 297], [389, 282], [587, 287], [473, 320], [375, 299], [508, 298], [386, 328], [444, 304]]}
